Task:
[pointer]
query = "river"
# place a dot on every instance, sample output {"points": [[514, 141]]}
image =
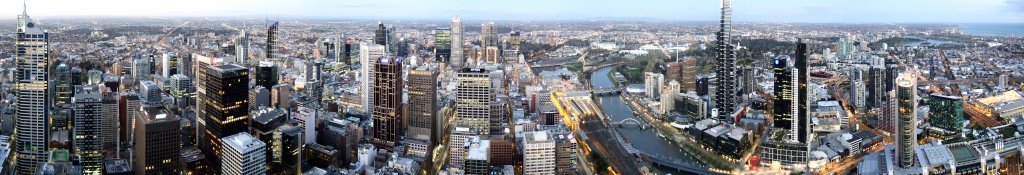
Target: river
{"points": [[646, 140]]}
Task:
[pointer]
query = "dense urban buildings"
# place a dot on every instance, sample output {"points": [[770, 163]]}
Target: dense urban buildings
{"points": [[558, 88]]}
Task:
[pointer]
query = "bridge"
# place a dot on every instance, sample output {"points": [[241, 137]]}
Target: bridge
{"points": [[680, 165], [631, 122], [607, 91], [959, 81]]}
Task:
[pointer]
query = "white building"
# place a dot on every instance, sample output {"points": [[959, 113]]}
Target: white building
{"points": [[538, 153], [667, 96], [652, 84], [243, 155], [368, 52], [150, 93]]}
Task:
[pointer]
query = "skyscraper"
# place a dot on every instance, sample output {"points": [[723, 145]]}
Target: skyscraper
{"points": [[387, 102], [169, 65], [423, 120], [380, 36], [538, 153], [243, 155], [488, 34], [473, 99], [266, 74], [947, 112], [784, 95], [690, 69], [906, 137], [33, 98], [458, 56], [443, 44], [157, 142], [725, 94], [88, 121], [803, 115], [271, 41], [368, 56], [242, 47], [515, 40], [223, 110]]}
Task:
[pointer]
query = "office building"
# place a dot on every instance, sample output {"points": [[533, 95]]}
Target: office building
{"points": [[488, 34], [725, 70], [443, 44], [243, 155], [458, 57], [141, 67], [63, 85], [150, 93], [785, 103], [242, 47], [473, 99], [515, 40], [538, 153], [674, 71], [477, 160], [271, 49], [32, 94], [157, 142], [802, 115], [946, 112], [88, 122], [380, 36], [368, 57], [169, 65], [667, 99], [223, 110], [906, 123], [387, 102], [424, 124], [688, 80], [267, 74]]}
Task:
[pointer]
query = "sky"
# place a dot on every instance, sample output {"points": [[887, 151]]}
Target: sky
{"points": [[799, 11]]}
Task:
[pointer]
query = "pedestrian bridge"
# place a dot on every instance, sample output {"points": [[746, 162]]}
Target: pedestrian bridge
{"points": [[606, 91], [630, 122]]}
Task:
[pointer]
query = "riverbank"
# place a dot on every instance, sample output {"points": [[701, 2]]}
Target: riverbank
{"points": [[682, 141]]}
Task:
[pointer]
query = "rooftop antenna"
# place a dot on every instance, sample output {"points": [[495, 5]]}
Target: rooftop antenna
{"points": [[24, 7]]}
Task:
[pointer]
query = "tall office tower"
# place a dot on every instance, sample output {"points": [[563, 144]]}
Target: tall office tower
{"points": [[271, 42], [181, 89], [327, 48], [150, 93], [668, 95], [947, 112], [424, 124], [515, 40], [280, 96], [725, 94], [368, 56], [157, 142], [674, 71], [88, 121], [141, 68], [858, 89], [108, 133], [443, 44], [170, 65], [689, 79], [803, 115], [63, 88], [127, 104], [242, 47], [488, 34], [267, 74], [223, 108], [473, 98], [33, 97], [876, 86], [387, 102], [906, 137], [380, 36], [491, 54], [185, 65], [243, 155], [458, 53], [538, 153], [784, 101]]}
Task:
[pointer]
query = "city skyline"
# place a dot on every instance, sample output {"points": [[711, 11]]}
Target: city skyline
{"points": [[784, 11]]}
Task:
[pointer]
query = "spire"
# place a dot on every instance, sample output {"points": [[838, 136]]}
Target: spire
{"points": [[24, 8]]}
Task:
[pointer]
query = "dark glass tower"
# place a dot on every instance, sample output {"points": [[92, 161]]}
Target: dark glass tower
{"points": [[266, 75], [380, 36], [271, 40], [906, 138], [725, 94], [423, 121], [783, 100], [387, 102], [223, 110], [803, 116], [442, 44]]}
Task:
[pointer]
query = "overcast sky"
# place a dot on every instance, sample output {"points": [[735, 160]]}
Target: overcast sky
{"points": [[833, 11]]}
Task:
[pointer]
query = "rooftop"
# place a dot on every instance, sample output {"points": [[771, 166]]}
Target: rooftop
{"points": [[243, 142]]}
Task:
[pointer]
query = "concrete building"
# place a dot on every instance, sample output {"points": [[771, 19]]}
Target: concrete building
{"points": [[158, 142], [388, 124], [243, 155], [652, 84], [368, 56], [906, 123], [473, 99], [538, 153], [88, 122], [32, 102]]}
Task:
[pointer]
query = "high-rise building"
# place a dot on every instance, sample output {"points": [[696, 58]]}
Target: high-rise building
{"points": [[108, 133], [157, 142], [667, 99], [32, 93], [725, 70], [141, 67], [380, 36], [271, 49], [443, 44], [243, 155], [150, 93], [652, 84], [473, 98], [803, 116], [674, 71], [387, 102], [538, 153], [424, 124], [946, 112], [515, 40], [689, 76], [458, 57], [223, 110], [169, 65], [784, 100], [242, 47], [488, 34], [906, 123], [63, 86], [88, 123], [368, 56], [266, 74]]}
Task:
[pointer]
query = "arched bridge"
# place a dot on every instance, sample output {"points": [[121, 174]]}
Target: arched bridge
{"points": [[606, 91], [631, 122]]}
